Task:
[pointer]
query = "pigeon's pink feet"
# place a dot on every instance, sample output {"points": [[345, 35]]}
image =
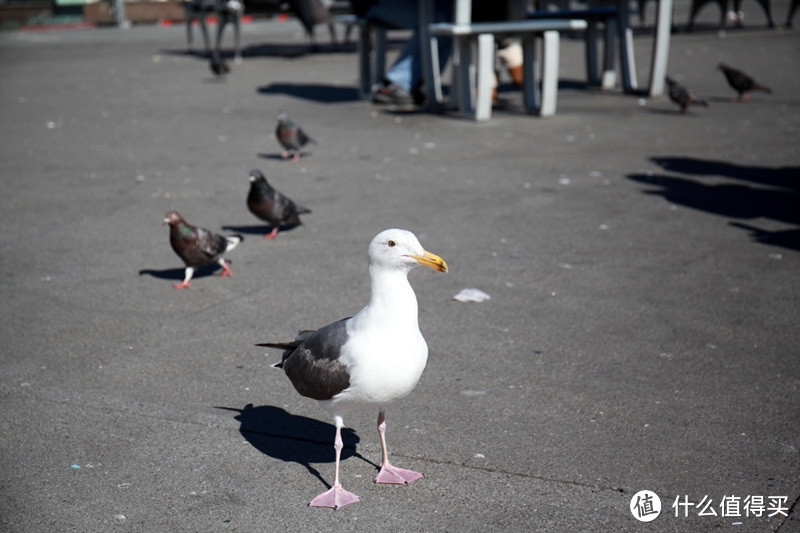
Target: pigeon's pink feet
{"points": [[182, 285], [334, 498], [284, 154], [296, 157], [272, 234], [226, 271], [397, 476]]}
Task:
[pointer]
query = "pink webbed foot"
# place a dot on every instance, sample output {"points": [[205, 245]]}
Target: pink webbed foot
{"points": [[272, 234], [226, 271], [334, 498], [182, 285], [397, 476]]}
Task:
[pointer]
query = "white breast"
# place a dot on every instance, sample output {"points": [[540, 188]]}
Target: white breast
{"points": [[384, 366]]}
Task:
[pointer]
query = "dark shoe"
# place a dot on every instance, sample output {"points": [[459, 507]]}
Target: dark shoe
{"points": [[392, 94]]}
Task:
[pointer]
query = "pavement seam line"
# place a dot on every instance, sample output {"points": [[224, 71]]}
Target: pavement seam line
{"points": [[326, 443], [789, 513]]}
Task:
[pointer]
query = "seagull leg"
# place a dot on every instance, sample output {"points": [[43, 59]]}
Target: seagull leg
{"points": [[226, 270], [389, 473], [272, 234], [185, 283], [336, 496]]}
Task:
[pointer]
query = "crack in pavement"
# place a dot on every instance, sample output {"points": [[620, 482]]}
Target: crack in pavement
{"points": [[165, 416]]}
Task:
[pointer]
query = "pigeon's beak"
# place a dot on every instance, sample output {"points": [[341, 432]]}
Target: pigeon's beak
{"points": [[165, 222], [430, 260]]}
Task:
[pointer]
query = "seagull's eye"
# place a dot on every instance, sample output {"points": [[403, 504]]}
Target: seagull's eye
{"points": [[391, 244]]}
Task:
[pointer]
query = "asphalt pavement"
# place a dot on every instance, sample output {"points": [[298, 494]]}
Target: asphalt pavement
{"points": [[642, 332]]}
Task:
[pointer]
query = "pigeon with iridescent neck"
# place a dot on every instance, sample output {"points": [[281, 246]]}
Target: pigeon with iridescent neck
{"points": [[742, 83], [291, 137], [270, 205], [683, 96], [198, 246]]}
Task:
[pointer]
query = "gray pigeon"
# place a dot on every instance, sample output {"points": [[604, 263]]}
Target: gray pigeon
{"points": [[683, 96], [742, 83], [198, 246], [291, 136], [268, 204]]}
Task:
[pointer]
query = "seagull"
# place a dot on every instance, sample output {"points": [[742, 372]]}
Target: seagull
{"points": [[268, 204], [291, 136], [198, 246], [683, 96], [370, 359], [741, 82]]}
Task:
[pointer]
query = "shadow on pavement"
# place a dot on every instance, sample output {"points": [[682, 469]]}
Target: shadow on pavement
{"points": [[261, 229], [279, 157], [788, 177], [776, 194], [292, 438], [285, 50], [326, 94], [178, 273]]}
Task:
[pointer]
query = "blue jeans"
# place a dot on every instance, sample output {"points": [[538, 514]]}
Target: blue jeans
{"points": [[407, 68]]}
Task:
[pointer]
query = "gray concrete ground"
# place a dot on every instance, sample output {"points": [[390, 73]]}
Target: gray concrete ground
{"points": [[642, 331]]}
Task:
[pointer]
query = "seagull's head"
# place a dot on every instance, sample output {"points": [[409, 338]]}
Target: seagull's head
{"points": [[398, 248], [172, 218]]}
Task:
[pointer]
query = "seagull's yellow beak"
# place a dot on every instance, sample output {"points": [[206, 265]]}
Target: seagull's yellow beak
{"points": [[430, 260]]}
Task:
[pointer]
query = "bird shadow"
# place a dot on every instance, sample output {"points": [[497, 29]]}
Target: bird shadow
{"points": [[293, 439], [279, 157], [671, 112], [178, 273], [317, 92], [258, 230]]}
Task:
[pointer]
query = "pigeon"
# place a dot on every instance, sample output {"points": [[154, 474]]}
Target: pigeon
{"points": [[683, 96], [198, 246], [218, 66], [742, 83], [268, 204], [291, 136], [369, 359]]}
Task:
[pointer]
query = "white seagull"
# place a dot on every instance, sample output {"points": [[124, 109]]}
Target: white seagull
{"points": [[369, 359]]}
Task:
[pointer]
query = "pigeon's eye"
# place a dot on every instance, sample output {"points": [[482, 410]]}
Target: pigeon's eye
{"points": [[391, 244]]}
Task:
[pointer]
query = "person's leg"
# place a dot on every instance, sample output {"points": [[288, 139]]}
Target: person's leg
{"points": [[405, 74]]}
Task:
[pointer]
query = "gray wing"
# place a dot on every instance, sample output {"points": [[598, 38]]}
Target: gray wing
{"points": [[211, 244], [312, 363], [301, 138], [286, 210]]}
